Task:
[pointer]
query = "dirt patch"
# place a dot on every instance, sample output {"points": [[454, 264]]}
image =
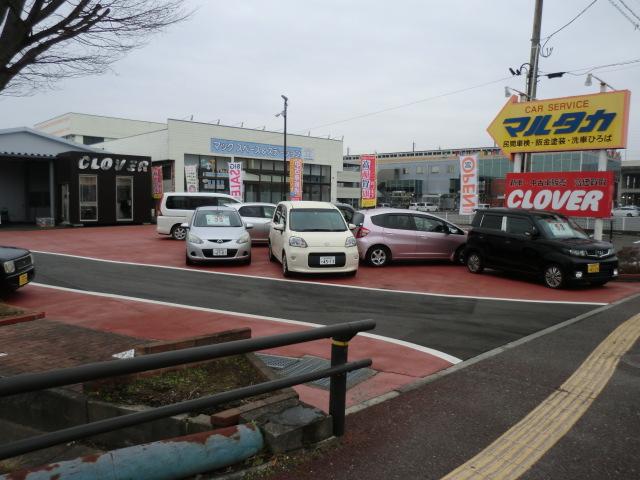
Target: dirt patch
{"points": [[217, 376], [9, 311]]}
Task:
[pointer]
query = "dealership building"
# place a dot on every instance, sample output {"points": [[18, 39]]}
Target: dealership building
{"points": [[205, 150]]}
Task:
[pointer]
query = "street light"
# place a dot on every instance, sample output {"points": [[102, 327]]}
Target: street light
{"points": [[603, 84], [508, 91], [283, 114]]}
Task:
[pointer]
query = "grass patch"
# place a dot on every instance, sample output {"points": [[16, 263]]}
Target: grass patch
{"points": [[217, 376]]}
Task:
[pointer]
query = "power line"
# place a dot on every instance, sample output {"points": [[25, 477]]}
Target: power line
{"points": [[622, 12], [585, 70], [629, 8], [570, 22]]}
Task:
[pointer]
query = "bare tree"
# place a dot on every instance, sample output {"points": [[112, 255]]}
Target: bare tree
{"points": [[42, 41]]}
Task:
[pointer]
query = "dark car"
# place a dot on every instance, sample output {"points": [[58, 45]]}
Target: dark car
{"points": [[16, 268], [539, 243]]}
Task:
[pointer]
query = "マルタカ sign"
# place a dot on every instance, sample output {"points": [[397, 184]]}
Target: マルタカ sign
{"points": [[587, 122], [368, 183], [575, 194], [468, 184]]}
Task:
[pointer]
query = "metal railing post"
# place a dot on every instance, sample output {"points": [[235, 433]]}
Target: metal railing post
{"points": [[338, 384]]}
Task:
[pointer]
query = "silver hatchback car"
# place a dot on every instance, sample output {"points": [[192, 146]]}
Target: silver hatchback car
{"points": [[389, 233], [217, 233], [259, 214]]}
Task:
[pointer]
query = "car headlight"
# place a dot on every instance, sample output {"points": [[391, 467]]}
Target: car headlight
{"points": [[9, 267], [576, 252], [297, 242], [193, 238], [244, 238], [350, 242]]}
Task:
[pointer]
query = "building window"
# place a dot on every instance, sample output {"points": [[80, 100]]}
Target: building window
{"points": [[419, 170], [405, 171], [435, 168], [88, 140], [88, 198], [451, 168], [124, 199]]}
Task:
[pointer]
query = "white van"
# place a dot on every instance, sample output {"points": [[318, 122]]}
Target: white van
{"points": [[177, 208], [423, 207]]}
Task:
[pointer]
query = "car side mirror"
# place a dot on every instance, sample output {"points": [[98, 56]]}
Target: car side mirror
{"points": [[248, 226], [352, 226], [185, 225], [452, 230], [279, 227], [532, 233]]}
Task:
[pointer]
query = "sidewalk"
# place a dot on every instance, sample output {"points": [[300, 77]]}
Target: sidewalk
{"points": [[430, 431]]}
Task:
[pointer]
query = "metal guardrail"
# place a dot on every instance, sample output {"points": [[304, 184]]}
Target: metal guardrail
{"points": [[340, 334], [617, 224]]}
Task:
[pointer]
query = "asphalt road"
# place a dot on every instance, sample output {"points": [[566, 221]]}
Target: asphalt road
{"points": [[460, 327]]}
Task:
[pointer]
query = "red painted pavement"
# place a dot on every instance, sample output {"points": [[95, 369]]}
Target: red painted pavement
{"points": [[141, 244], [397, 365]]}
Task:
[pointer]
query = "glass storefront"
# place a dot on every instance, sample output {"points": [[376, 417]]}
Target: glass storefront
{"points": [[263, 179]]}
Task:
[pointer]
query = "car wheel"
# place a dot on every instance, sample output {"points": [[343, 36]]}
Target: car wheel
{"points": [[285, 268], [378, 256], [272, 257], [458, 257], [474, 262], [553, 276], [599, 283], [178, 232]]}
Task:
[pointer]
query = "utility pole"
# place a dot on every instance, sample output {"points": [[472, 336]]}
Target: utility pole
{"points": [[283, 114], [532, 77]]}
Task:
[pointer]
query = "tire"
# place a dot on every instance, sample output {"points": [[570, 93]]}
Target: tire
{"points": [[474, 262], [285, 267], [272, 258], [599, 283], [553, 276], [178, 232], [458, 257], [378, 256]]}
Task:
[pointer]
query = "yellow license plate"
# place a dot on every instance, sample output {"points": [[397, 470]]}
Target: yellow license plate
{"points": [[593, 267], [23, 279]]}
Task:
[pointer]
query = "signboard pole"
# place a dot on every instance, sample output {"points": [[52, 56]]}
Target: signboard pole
{"points": [[602, 166]]}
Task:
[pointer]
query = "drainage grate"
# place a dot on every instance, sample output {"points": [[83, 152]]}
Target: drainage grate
{"points": [[288, 367]]}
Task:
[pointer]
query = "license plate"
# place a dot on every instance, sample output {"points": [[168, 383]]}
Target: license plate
{"points": [[219, 252], [327, 260], [593, 267], [23, 279]]}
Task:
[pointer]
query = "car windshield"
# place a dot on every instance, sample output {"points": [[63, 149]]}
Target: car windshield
{"points": [[316, 220], [555, 226], [219, 218]]}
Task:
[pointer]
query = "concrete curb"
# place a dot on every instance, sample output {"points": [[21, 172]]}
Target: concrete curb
{"points": [[491, 353], [25, 316]]}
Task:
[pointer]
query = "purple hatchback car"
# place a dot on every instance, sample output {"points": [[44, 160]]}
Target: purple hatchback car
{"points": [[389, 233]]}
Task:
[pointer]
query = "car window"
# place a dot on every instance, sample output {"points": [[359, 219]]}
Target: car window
{"points": [[196, 202], [555, 226], [316, 220], [493, 222], [518, 225], [379, 220], [178, 202], [219, 218], [346, 213], [277, 218], [400, 222], [250, 211], [427, 224], [267, 211]]}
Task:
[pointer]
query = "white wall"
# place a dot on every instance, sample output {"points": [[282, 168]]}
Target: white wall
{"points": [[96, 126], [195, 138], [153, 144]]}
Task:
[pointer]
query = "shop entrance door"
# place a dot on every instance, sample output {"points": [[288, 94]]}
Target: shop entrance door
{"points": [[64, 194], [124, 199]]}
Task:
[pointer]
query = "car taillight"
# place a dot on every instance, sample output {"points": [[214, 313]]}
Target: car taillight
{"points": [[362, 232]]}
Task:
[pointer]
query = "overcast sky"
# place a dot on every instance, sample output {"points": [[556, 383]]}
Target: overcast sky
{"points": [[337, 60]]}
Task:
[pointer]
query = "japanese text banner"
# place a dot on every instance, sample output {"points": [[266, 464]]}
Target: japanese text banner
{"points": [[587, 122], [575, 194], [295, 179], [368, 184]]}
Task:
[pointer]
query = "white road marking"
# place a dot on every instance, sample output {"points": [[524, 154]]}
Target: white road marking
{"points": [[436, 353], [305, 282]]}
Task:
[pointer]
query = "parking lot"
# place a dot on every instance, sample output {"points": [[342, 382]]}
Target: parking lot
{"points": [[430, 315]]}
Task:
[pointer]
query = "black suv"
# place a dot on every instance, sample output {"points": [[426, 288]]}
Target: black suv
{"points": [[544, 244], [16, 268]]}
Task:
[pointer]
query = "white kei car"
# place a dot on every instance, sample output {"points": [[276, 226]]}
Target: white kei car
{"points": [[312, 237]]}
